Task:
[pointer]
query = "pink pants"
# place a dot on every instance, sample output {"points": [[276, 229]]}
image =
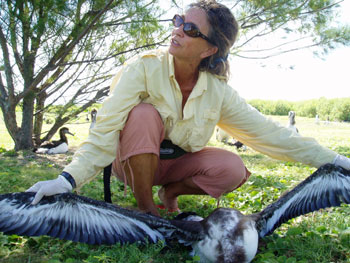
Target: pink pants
{"points": [[214, 170]]}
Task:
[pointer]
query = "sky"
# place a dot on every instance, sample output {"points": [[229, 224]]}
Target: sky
{"points": [[294, 76], [310, 78]]}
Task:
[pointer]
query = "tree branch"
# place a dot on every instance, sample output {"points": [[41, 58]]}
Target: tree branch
{"points": [[320, 9], [117, 54], [3, 93], [64, 50], [261, 33], [287, 12], [8, 68], [13, 40], [280, 52], [115, 23]]}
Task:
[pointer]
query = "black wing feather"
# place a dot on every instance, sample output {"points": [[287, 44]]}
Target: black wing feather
{"points": [[328, 186], [77, 218], [50, 144]]}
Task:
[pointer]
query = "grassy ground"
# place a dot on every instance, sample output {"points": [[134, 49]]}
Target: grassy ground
{"points": [[318, 237]]}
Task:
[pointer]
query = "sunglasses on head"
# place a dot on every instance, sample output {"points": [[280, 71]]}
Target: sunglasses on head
{"points": [[189, 29]]}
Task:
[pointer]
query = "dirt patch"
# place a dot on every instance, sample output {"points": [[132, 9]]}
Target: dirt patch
{"points": [[59, 160]]}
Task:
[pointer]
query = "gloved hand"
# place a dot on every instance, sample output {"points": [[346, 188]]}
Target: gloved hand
{"points": [[342, 161], [51, 187]]}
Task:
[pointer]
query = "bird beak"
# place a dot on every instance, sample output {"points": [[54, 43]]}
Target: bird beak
{"points": [[68, 132]]}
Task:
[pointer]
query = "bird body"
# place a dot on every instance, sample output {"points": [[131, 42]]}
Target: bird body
{"points": [[224, 137], [238, 145], [93, 118], [226, 235], [60, 148], [56, 146], [291, 124], [317, 119], [231, 237], [293, 128], [221, 135]]}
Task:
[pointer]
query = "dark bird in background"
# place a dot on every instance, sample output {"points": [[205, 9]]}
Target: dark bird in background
{"points": [[53, 147], [237, 144], [224, 137], [226, 235]]}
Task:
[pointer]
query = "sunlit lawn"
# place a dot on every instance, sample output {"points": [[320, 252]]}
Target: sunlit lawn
{"points": [[318, 237]]}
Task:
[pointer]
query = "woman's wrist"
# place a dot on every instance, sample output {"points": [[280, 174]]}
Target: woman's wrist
{"points": [[69, 178], [342, 161]]}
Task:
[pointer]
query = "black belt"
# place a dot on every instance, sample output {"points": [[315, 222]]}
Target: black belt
{"points": [[168, 150]]}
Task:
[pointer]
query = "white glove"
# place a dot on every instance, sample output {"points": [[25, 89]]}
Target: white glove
{"points": [[51, 187], [342, 161]]}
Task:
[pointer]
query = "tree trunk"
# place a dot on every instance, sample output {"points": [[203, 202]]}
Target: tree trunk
{"points": [[39, 117], [10, 122], [25, 141]]}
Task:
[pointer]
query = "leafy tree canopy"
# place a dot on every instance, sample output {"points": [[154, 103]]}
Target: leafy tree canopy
{"points": [[300, 23], [68, 51]]}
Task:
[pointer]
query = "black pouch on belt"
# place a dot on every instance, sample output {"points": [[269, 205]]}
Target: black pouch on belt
{"points": [[168, 150]]}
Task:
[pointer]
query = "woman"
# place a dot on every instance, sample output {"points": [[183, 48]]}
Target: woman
{"points": [[175, 98]]}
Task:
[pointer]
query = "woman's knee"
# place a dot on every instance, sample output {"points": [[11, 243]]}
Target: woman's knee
{"points": [[234, 171], [142, 133], [221, 171], [144, 112], [143, 120]]}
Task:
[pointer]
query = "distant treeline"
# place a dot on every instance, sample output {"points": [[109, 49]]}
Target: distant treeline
{"points": [[326, 109], [331, 109]]}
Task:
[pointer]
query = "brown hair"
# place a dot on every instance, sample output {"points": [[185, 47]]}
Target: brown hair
{"points": [[223, 32]]}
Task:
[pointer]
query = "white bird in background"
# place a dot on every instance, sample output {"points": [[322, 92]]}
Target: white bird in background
{"points": [[93, 118], [55, 147], [291, 124], [226, 235], [317, 119]]}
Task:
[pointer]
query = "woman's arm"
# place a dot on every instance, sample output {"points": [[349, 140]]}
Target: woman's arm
{"points": [[99, 150], [249, 126]]}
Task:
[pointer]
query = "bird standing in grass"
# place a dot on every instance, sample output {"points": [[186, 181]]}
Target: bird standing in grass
{"points": [[57, 146], [291, 124], [225, 236], [224, 137], [93, 118]]}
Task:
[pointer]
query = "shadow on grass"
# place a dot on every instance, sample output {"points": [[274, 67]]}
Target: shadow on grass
{"points": [[20, 171]]}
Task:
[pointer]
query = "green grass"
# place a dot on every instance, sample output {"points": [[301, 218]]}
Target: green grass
{"points": [[322, 236]]}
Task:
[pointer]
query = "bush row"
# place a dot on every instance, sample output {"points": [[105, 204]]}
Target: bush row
{"points": [[326, 109]]}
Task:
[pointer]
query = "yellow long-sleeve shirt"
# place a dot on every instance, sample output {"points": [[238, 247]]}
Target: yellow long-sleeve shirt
{"points": [[150, 78]]}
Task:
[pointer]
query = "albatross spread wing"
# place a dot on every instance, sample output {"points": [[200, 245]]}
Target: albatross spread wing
{"points": [[77, 218], [328, 186]]}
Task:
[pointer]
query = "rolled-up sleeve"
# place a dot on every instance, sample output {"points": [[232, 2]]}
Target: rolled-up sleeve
{"points": [[264, 135], [99, 150]]}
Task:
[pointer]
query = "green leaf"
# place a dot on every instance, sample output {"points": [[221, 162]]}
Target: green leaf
{"points": [[293, 231], [321, 229]]}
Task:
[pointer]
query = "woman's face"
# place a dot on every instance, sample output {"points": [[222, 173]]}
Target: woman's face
{"points": [[191, 49]]}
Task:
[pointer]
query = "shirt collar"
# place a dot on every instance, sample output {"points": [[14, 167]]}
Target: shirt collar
{"points": [[171, 66], [202, 82], [201, 85]]}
